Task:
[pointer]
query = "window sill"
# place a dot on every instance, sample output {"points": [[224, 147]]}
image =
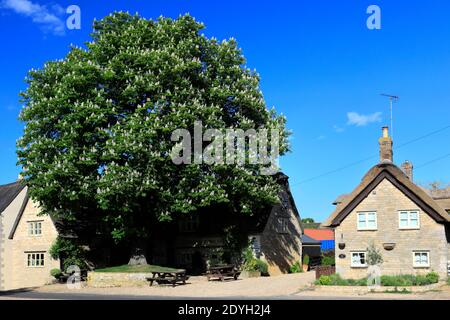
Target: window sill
{"points": [[415, 228], [421, 267], [359, 267], [366, 229]]}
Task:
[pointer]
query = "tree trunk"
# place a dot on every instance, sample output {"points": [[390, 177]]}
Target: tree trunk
{"points": [[138, 254]]}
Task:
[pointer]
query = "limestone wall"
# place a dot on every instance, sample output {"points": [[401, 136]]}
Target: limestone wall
{"points": [[387, 200]]}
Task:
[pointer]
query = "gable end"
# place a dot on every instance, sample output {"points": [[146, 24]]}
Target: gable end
{"points": [[373, 184]]}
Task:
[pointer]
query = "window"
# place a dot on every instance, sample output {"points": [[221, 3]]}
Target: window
{"points": [[282, 225], [35, 259], [367, 221], [408, 219], [421, 259], [35, 228], [359, 259], [189, 224]]}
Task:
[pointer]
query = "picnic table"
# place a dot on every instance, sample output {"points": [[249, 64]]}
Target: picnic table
{"points": [[171, 277], [222, 272]]}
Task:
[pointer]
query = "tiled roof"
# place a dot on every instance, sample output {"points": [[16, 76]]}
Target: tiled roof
{"points": [[320, 234]]}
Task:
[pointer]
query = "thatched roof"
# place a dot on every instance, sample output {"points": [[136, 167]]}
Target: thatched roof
{"points": [[387, 170]]}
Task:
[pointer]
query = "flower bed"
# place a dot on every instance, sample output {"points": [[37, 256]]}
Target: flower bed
{"points": [[386, 281]]}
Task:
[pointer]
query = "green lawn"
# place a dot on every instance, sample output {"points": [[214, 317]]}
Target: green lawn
{"points": [[135, 269]]}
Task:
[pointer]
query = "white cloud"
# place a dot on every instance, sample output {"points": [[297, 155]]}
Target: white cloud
{"points": [[338, 129], [48, 18], [361, 120]]}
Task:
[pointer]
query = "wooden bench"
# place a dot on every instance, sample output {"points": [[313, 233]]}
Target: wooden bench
{"points": [[222, 272], [172, 277]]}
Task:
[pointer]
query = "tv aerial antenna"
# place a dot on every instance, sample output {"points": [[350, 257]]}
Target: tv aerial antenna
{"points": [[392, 100]]}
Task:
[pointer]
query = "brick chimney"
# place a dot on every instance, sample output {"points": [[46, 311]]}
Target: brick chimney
{"points": [[385, 142], [407, 168]]}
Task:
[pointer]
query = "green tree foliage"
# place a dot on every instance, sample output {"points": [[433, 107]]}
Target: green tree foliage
{"points": [[69, 251], [96, 144], [374, 256]]}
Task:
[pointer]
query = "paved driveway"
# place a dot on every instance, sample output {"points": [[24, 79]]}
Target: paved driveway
{"points": [[286, 287], [196, 287]]}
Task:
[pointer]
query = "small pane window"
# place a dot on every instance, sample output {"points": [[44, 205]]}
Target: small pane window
{"points": [[358, 259], [35, 259], [409, 220], [367, 221], [421, 259], [35, 228]]}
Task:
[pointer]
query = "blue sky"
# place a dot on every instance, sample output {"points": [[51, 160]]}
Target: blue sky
{"points": [[320, 66]]}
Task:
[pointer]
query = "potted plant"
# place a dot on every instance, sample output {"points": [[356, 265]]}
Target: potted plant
{"points": [[305, 264], [252, 266]]}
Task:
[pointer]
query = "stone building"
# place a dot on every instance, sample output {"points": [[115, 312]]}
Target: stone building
{"points": [[193, 244], [408, 224], [25, 238]]}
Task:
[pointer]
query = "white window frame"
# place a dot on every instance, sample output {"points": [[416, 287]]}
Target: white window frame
{"points": [[366, 214], [409, 227], [415, 265], [358, 265], [32, 228], [32, 262]]}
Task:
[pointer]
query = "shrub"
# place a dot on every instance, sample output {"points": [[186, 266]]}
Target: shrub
{"points": [[325, 281], [296, 268], [336, 280], [407, 280], [328, 261], [421, 281], [250, 265], [69, 252], [56, 273], [432, 277], [373, 256], [306, 260], [262, 266], [253, 264]]}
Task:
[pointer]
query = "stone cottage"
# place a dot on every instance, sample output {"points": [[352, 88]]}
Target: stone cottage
{"points": [[275, 234], [409, 225], [25, 238]]}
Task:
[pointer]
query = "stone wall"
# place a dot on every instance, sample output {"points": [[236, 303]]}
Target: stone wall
{"points": [[19, 274], [2, 265], [281, 250], [387, 200], [116, 279]]}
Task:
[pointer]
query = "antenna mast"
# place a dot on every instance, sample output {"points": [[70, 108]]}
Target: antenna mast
{"points": [[392, 99]]}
